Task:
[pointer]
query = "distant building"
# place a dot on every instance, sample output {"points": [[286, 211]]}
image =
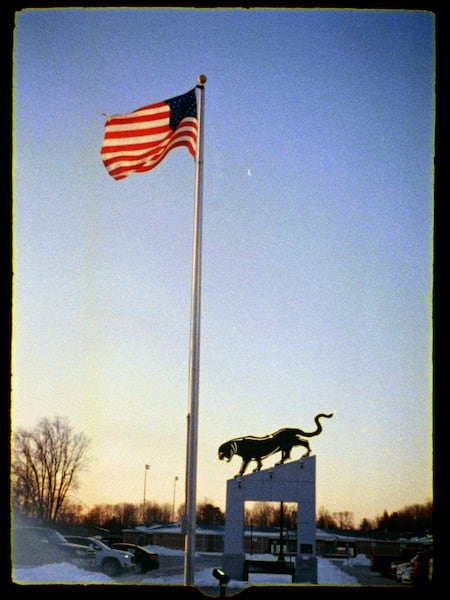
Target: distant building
{"points": [[266, 540], [169, 535]]}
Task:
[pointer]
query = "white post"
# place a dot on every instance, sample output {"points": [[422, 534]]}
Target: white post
{"points": [[194, 363], [174, 490], [147, 467]]}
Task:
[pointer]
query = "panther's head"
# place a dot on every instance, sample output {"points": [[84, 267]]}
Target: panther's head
{"points": [[227, 451]]}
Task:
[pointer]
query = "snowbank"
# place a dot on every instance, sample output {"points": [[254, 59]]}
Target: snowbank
{"points": [[328, 574]]}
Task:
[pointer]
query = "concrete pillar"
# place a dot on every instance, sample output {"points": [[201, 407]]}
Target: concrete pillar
{"points": [[306, 561], [234, 556], [292, 482]]}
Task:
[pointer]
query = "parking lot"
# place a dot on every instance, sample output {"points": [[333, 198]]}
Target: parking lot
{"points": [[364, 575], [171, 566]]}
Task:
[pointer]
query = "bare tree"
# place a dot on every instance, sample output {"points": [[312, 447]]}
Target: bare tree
{"points": [[126, 513], [208, 514], [46, 464], [155, 512], [261, 514], [71, 512], [344, 519], [325, 520], [100, 514]]}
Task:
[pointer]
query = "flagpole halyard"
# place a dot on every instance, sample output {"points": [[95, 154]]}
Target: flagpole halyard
{"points": [[194, 359]]}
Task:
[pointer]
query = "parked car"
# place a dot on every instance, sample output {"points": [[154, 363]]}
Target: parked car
{"points": [[392, 572], [404, 558], [144, 559], [111, 562], [32, 546], [405, 574], [421, 573], [401, 569]]}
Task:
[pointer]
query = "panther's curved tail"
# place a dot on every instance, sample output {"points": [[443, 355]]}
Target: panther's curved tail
{"points": [[318, 426]]}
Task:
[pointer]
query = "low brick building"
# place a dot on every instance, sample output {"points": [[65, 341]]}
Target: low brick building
{"points": [[261, 540], [169, 535]]}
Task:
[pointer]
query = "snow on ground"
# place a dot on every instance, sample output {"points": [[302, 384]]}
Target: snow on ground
{"points": [[328, 574]]}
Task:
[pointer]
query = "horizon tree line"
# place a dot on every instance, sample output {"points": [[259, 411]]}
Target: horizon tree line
{"points": [[48, 460]]}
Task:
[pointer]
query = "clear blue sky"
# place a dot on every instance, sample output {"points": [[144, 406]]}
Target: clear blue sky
{"points": [[317, 245]]}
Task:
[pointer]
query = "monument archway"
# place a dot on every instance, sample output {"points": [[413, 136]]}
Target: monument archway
{"points": [[290, 482]]}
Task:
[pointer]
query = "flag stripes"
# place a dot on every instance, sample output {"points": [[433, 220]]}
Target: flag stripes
{"points": [[139, 141]]}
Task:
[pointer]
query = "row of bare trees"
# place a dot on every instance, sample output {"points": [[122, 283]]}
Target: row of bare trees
{"points": [[414, 518], [48, 460], [115, 517]]}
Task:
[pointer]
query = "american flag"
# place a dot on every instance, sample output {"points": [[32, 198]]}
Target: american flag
{"points": [[139, 141]]}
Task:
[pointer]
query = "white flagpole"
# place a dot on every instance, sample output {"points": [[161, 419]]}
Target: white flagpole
{"points": [[194, 360]]}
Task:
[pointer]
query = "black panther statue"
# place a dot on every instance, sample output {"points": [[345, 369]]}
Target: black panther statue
{"points": [[256, 448]]}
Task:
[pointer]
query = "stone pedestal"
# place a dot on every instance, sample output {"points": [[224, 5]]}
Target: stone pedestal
{"points": [[306, 569], [233, 565], [292, 482]]}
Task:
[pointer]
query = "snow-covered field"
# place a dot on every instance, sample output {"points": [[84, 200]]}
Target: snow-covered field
{"points": [[328, 574]]}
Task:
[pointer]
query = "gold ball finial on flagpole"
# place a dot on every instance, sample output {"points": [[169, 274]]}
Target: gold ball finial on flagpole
{"points": [[202, 79]]}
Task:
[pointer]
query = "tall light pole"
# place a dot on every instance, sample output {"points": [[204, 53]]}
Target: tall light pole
{"points": [[147, 467], [174, 488]]}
